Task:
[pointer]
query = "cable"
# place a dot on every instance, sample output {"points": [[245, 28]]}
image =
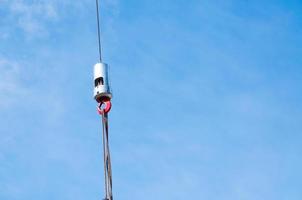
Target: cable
{"points": [[99, 29], [104, 153], [107, 160]]}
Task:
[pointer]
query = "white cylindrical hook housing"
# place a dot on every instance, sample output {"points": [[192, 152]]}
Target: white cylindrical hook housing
{"points": [[101, 82]]}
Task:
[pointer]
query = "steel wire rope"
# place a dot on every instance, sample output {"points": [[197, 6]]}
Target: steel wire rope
{"points": [[99, 29], [104, 154]]}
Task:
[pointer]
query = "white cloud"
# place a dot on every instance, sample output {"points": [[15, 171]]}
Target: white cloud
{"points": [[33, 17], [10, 84]]}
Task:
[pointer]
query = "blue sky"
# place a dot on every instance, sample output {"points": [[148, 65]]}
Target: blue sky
{"points": [[207, 99]]}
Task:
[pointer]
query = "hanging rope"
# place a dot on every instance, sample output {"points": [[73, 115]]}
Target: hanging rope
{"points": [[107, 160]]}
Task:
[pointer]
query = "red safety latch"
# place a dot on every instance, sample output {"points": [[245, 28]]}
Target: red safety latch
{"points": [[104, 107]]}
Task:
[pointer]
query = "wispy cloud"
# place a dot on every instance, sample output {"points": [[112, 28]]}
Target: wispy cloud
{"points": [[10, 82], [33, 17], [30, 17]]}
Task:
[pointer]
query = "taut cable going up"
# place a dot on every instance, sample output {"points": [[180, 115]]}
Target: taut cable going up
{"points": [[99, 29]]}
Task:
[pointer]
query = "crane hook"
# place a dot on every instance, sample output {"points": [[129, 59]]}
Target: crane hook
{"points": [[106, 109]]}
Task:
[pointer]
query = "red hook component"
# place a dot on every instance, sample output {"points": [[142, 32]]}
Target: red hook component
{"points": [[107, 108]]}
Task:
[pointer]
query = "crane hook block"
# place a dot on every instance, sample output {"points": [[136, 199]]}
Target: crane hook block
{"points": [[106, 109], [102, 90]]}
